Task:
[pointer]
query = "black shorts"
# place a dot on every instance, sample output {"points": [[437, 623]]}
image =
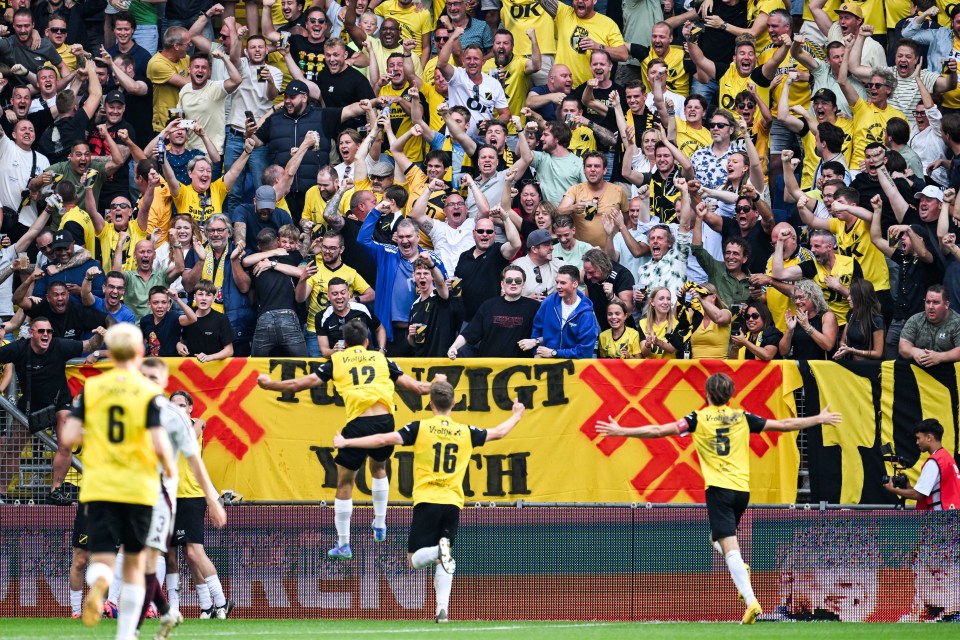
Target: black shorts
{"points": [[432, 522], [725, 507], [108, 522], [80, 538], [352, 459], [188, 525]]}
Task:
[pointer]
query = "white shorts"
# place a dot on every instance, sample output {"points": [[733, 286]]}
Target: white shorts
{"points": [[161, 522]]}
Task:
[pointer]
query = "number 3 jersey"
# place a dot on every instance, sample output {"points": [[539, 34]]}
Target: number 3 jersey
{"points": [[363, 378], [119, 462], [441, 452], [722, 438]]}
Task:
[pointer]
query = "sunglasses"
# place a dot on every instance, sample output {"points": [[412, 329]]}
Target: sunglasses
{"points": [[717, 125], [744, 208], [44, 332], [315, 21], [920, 113], [513, 280], [874, 85], [120, 205], [746, 105], [536, 273], [752, 316], [44, 248], [57, 29], [483, 232], [439, 39]]}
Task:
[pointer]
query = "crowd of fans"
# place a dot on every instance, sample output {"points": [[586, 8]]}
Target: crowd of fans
{"points": [[623, 179]]}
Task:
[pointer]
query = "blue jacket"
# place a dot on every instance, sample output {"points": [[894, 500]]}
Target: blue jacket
{"points": [[388, 260], [939, 42], [576, 338]]}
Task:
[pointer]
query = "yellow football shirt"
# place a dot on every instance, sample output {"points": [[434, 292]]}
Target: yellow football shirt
{"points": [[441, 454], [722, 438], [362, 378]]}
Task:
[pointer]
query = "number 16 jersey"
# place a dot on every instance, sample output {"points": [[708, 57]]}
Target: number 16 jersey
{"points": [[722, 438], [441, 452], [363, 378]]}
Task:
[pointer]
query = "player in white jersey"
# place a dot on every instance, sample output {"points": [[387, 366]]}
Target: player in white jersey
{"points": [[183, 440]]}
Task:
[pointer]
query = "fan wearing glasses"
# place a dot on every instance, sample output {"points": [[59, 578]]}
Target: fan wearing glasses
{"points": [[870, 117], [120, 220], [756, 337]]}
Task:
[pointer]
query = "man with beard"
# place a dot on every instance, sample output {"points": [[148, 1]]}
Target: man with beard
{"points": [[176, 154], [139, 281], [415, 24], [112, 301], [65, 268], [18, 49], [249, 220], [680, 67], [932, 336], [341, 310], [870, 117], [394, 270], [387, 43], [220, 266], [315, 202], [307, 50], [68, 318], [328, 248], [557, 168], [733, 77], [286, 129], [597, 94], [340, 84], [580, 29], [470, 87], [260, 84], [122, 217], [203, 100], [588, 201], [546, 98], [394, 93], [511, 70], [82, 172], [478, 267], [606, 281], [40, 364]]}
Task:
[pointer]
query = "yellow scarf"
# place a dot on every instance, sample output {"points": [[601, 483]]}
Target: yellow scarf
{"points": [[213, 271]]}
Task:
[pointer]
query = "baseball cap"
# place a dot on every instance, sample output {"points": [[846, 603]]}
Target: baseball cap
{"points": [[851, 8], [62, 239], [826, 95], [381, 168], [538, 237], [266, 197], [490, 5], [116, 96], [297, 88], [930, 191]]}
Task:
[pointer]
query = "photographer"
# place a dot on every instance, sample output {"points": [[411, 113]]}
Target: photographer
{"points": [[938, 487]]}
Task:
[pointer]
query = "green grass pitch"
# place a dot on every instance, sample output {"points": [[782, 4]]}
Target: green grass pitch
{"points": [[42, 629]]}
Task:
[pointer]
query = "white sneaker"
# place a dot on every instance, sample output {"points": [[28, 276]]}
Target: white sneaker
{"points": [[442, 617], [446, 560], [168, 622]]}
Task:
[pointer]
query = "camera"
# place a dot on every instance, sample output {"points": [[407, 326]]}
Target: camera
{"points": [[899, 479]]}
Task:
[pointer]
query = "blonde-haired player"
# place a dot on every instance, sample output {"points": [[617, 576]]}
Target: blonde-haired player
{"points": [[117, 419]]}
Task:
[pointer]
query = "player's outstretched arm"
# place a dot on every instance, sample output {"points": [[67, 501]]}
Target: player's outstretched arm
{"points": [[795, 424], [368, 442], [505, 427], [416, 386], [295, 384], [217, 513], [612, 428]]}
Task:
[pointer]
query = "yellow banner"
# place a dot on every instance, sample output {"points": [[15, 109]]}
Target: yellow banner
{"points": [[269, 446]]}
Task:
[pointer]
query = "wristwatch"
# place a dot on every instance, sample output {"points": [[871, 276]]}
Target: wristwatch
{"points": [[273, 263], [553, 354], [96, 354]]}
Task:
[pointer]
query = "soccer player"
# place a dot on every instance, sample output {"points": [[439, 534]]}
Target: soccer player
{"points": [[183, 440], [441, 451], [721, 435], [188, 532], [366, 381], [117, 420]]}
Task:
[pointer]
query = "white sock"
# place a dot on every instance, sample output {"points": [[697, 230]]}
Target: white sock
{"points": [[216, 590], [173, 590], [423, 558], [131, 601], [342, 510], [738, 571], [203, 595], [76, 601], [442, 583], [161, 570], [98, 570], [381, 493], [114, 594]]}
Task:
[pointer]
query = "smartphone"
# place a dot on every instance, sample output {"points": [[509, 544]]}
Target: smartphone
{"points": [[249, 116], [187, 124]]}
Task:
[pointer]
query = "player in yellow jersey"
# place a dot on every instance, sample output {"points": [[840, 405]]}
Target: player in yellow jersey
{"points": [[118, 422], [441, 453], [721, 435], [365, 379]]}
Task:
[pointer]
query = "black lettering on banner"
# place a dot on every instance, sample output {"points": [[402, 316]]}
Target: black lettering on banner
{"points": [[502, 396], [289, 369], [477, 389], [325, 458], [517, 472], [404, 473], [468, 491], [556, 387]]}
